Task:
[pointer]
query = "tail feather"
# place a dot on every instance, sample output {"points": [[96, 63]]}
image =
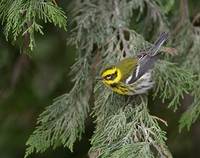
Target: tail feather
{"points": [[159, 42]]}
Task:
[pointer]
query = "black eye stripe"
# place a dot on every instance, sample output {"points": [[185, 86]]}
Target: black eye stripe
{"points": [[111, 76], [107, 77]]}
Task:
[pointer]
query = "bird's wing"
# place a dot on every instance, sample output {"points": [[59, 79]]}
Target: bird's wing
{"points": [[147, 59], [144, 65]]}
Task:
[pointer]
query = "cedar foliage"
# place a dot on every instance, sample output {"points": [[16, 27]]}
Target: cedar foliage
{"points": [[22, 17], [105, 32]]}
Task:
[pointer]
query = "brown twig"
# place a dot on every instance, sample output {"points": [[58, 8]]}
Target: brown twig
{"points": [[161, 120], [184, 10], [196, 18], [125, 49], [169, 50], [54, 1], [94, 154], [26, 40], [184, 14], [21, 62], [18, 68], [162, 150]]}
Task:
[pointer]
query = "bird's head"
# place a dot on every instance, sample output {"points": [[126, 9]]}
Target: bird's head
{"points": [[111, 75]]}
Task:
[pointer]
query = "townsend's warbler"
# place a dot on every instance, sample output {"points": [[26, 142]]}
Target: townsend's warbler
{"points": [[132, 75]]}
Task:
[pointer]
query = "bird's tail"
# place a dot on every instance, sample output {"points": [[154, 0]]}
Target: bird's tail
{"points": [[159, 42]]}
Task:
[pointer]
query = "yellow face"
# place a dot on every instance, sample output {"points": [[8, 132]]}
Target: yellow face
{"points": [[111, 76]]}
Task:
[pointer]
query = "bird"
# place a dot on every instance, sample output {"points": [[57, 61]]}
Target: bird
{"points": [[133, 75]]}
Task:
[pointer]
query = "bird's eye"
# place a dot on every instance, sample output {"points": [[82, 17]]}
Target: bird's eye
{"points": [[108, 77], [111, 76]]}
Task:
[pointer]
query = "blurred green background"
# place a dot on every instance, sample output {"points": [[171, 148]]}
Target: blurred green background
{"points": [[29, 83]]}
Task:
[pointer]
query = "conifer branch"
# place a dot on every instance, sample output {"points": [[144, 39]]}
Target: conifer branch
{"points": [[124, 127], [63, 121], [172, 88], [21, 18]]}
